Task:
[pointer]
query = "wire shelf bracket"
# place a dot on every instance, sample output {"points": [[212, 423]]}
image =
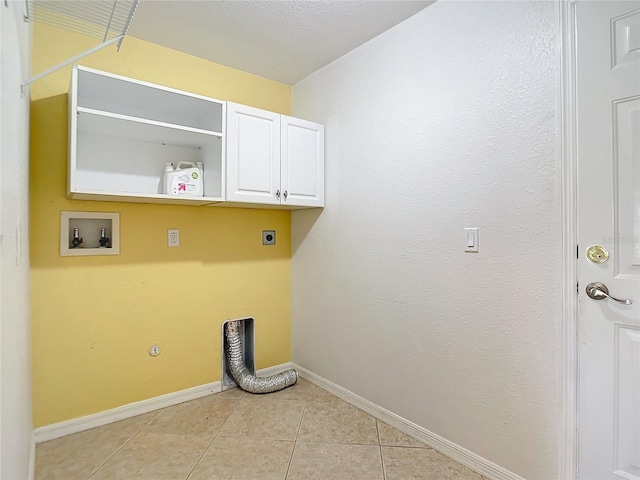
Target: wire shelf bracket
{"points": [[108, 20]]}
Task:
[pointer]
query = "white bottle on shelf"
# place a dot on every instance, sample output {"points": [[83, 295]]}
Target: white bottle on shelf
{"points": [[166, 178], [186, 180]]}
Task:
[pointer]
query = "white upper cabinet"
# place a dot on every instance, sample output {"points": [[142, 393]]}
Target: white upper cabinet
{"points": [[273, 159], [123, 132], [253, 155], [302, 162]]}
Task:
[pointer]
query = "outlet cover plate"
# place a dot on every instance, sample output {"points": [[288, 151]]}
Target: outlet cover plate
{"points": [[173, 239], [268, 237]]}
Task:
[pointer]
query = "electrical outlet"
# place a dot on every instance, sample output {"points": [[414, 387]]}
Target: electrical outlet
{"points": [[268, 237], [174, 238]]}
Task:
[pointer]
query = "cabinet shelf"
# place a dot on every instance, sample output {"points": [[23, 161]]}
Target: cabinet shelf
{"points": [[121, 95], [143, 198], [108, 164], [133, 128]]}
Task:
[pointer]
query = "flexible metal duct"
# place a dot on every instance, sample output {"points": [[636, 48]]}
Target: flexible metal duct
{"points": [[240, 373]]}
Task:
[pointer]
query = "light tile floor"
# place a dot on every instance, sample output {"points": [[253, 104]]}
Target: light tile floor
{"points": [[300, 433]]}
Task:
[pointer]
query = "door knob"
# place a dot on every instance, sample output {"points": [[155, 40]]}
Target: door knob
{"points": [[599, 291]]}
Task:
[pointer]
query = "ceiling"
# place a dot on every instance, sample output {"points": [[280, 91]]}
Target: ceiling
{"points": [[284, 40]]}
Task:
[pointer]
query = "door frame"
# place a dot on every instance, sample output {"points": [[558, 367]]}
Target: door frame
{"points": [[568, 458]]}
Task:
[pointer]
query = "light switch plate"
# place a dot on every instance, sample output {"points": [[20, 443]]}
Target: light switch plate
{"points": [[471, 239]]}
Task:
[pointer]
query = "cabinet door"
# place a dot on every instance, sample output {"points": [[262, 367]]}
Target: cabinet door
{"points": [[302, 162], [253, 155]]}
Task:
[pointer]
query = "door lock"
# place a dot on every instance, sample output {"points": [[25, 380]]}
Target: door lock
{"points": [[597, 254]]}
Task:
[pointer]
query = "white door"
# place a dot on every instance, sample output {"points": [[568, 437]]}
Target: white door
{"points": [[302, 162], [253, 155], [608, 152]]}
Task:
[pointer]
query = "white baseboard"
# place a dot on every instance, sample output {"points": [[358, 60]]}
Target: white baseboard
{"points": [[267, 372], [456, 452], [57, 430]]}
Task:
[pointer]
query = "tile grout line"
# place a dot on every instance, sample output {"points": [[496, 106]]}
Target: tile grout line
{"points": [[202, 454], [384, 474], [295, 443], [341, 442], [124, 444], [214, 437], [320, 443]]}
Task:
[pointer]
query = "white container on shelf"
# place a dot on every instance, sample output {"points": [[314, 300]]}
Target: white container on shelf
{"points": [[185, 180]]}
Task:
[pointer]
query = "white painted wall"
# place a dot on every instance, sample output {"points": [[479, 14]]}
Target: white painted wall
{"points": [[449, 120], [15, 356]]}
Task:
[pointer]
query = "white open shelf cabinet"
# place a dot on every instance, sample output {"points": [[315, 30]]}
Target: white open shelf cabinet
{"points": [[124, 131]]}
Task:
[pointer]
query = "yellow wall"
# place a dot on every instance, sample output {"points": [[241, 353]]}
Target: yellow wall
{"points": [[94, 318]]}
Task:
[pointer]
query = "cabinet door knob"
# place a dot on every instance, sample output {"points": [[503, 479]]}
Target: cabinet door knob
{"points": [[285, 195], [278, 194]]}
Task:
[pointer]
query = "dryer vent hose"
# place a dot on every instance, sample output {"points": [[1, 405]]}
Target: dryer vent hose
{"points": [[240, 373]]}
